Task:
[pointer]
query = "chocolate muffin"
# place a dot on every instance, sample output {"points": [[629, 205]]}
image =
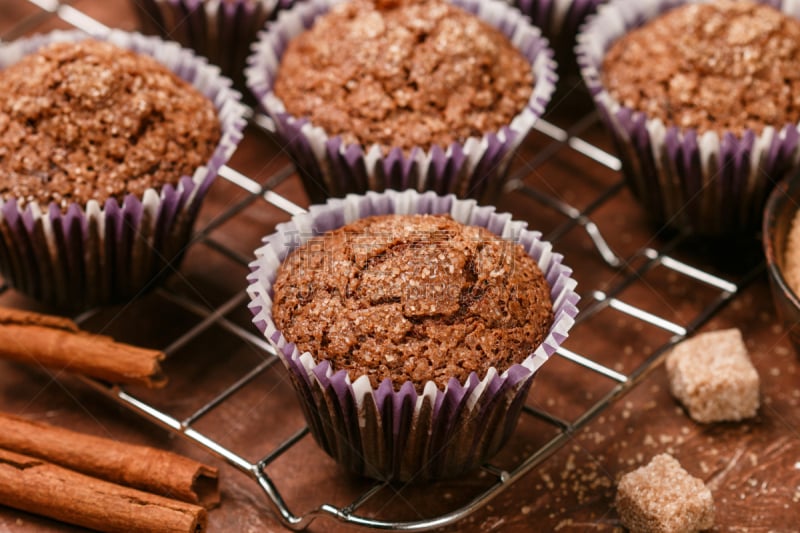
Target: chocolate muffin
{"points": [[726, 66], [384, 72], [108, 146], [701, 100], [413, 298], [91, 121], [411, 325], [363, 92]]}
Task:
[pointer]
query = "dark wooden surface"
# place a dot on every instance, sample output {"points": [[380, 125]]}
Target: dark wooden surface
{"points": [[752, 468]]}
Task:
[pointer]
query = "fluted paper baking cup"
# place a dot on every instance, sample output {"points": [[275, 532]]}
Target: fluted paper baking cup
{"points": [[707, 184], [96, 254], [220, 30], [559, 21], [392, 432], [329, 167]]}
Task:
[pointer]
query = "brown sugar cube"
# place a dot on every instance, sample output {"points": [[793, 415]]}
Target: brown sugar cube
{"points": [[663, 498], [712, 376]]}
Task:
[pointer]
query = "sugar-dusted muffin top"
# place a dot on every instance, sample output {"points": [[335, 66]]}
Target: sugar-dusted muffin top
{"points": [[403, 73], [89, 120], [413, 298], [721, 66]]}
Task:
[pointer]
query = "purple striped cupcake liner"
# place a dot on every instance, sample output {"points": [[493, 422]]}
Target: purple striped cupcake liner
{"points": [[93, 254], [705, 184], [398, 433], [219, 30], [559, 21], [476, 168]]}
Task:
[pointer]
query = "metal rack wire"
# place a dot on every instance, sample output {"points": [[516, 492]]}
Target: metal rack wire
{"points": [[612, 298]]}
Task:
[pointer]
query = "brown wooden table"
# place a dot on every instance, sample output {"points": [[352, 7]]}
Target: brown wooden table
{"points": [[752, 468]]}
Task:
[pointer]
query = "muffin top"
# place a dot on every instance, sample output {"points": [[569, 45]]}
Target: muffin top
{"points": [[90, 120], [412, 298], [403, 73], [722, 66]]}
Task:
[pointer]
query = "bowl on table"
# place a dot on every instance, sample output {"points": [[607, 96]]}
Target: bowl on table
{"points": [[780, 216]]}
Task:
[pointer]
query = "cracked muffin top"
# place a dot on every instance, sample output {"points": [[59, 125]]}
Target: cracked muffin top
{"points": [[403, 73], [90, 120], [722, 66], [412, 298]]}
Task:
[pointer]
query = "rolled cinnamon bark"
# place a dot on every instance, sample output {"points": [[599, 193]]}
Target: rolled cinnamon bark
{"points": [[42, 488], [58, 343], [142, 467], [29, 318]]}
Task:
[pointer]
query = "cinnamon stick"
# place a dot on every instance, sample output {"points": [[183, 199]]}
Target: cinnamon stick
{"points": [[19, 317], [58, 343], [142, 467], [42, 488]]}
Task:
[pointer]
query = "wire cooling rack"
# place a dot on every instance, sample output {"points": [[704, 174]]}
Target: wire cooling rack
{"points": [[626, 272]]}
